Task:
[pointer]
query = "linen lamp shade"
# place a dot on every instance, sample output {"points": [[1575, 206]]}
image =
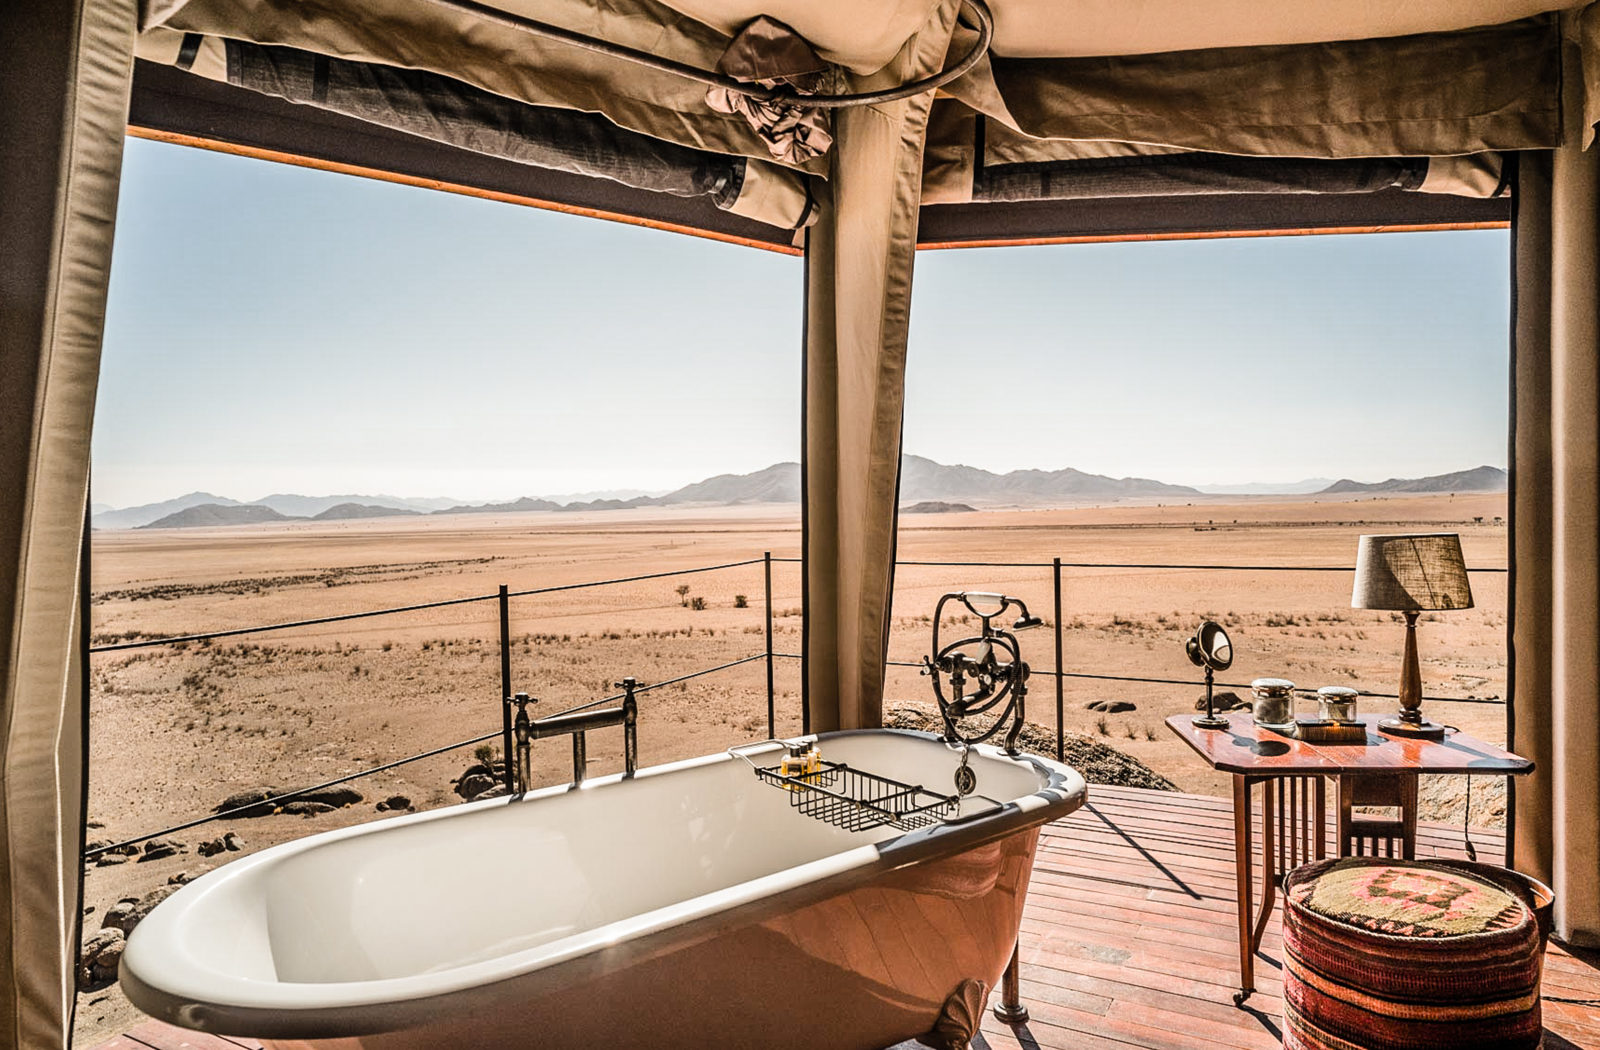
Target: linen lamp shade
{"points": [[1411, 572]]}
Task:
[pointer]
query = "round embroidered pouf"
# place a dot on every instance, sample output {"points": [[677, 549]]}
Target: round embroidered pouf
{"points": [[1384, 954]]}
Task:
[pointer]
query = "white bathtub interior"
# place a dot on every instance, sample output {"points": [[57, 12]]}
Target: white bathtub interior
{"points": [[465, 887]]}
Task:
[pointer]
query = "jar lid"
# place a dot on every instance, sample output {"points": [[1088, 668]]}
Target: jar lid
{"points": [[1338, 692], [1273, 685]]}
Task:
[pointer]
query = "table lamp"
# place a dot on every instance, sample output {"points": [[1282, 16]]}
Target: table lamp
{"points": [[1410, 574]]}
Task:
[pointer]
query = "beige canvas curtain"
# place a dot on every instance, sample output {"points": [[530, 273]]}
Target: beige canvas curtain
{"points": [[1555, 719], [63, 106], [858, 306]]}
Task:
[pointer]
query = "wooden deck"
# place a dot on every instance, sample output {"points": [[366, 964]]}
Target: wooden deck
{"points": [[1130, 940]]}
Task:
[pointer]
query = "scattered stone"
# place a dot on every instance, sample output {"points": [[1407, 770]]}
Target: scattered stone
{"points": [[88, 909], [94, 824], [130, 911], [395, 804], [337, 797], [210, 848], [232, 842], [156, 849], [90, 847], [494, 792], [97, 963], [130, 850], [1112, 707], [117, 915], [480, 770], [105, 860], [304, 808], [1223, 700], [180, 878], [1099, 763], [240, 799], [471, 785]]}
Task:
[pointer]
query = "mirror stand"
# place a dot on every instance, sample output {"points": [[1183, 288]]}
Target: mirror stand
{"points": [[1210, 720]]}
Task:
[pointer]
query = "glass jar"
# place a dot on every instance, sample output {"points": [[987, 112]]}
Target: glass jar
{"points": [[1272, 702], [1337, 703]]}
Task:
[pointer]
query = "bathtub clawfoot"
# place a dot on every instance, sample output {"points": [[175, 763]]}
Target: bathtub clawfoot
{"points": [[957, 1022]]}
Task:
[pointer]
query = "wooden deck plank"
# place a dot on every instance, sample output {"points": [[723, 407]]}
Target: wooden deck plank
{"points": [[1129, 940]]}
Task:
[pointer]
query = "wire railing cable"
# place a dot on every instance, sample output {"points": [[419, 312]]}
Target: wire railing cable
{"points": [[287, 796]]}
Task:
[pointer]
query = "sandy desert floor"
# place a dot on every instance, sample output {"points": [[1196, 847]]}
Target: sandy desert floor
{"points": [[177, 728]]}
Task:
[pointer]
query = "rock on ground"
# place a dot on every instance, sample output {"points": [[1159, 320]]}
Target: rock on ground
{"points": [[248, 798], [1222, 700], [305, 808], [471, 785], [98, 961], [1112, 707], [131, 911], [336, 797], [156, 849], [395, 804], [1098, 762]]}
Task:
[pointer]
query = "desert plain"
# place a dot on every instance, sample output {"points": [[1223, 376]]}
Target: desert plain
{"points": [[178, 727]]}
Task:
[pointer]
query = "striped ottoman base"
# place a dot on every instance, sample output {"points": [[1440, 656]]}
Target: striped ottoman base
{"points": [[1382, 954]]}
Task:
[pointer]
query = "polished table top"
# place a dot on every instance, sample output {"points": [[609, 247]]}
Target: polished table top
{"points": [[1245, 748]]}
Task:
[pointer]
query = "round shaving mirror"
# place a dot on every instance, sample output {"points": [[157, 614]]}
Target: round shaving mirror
{"points": [[1212, 649]]}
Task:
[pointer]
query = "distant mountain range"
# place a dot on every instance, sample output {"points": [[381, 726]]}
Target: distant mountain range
{"points": [[1478, 479], [922, 481]]}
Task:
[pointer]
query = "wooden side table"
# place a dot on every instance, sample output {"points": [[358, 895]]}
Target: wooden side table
{"points": [[1382, 770]]}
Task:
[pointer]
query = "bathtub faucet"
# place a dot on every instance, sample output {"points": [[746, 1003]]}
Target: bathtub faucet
{"points": [[991, 660], [576, 724]]}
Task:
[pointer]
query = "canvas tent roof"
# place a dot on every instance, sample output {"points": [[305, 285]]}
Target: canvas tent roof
{"points": [[1087, 118], [1081, 106]]}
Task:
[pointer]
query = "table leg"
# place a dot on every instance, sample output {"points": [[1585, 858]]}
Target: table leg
{"points": [[1322, 809], [1408, 817], [1269, 867], [1242, 848]]}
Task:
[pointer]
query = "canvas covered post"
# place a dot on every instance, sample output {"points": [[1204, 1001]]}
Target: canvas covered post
{"points": [[858, 308], [1555, 718], [63, 107]]}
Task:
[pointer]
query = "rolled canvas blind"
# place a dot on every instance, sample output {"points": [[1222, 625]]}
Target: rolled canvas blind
{"points": [[442, 109], [503, 61]]}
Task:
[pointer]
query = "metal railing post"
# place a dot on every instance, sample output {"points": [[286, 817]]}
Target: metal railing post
{"points": [[772, 720], [1061, 679], [505, 685]]}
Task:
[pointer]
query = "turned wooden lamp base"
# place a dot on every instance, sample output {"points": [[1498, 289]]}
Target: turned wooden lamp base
{"points": [[1409, 722]]}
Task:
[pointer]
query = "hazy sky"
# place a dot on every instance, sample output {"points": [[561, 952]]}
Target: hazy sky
{"points": [[277, 329]]}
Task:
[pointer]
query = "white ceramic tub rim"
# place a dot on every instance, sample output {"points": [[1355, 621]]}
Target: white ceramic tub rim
{"points": [[200, 996]]}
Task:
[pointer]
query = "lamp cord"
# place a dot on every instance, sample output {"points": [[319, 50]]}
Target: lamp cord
{"points": [[1466, 814]]}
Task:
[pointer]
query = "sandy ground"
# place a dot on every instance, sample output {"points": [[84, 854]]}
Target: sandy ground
{"points": [[177, 728]]}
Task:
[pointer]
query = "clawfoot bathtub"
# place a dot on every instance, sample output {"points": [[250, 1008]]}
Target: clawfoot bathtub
{"points": [[688, 906]]}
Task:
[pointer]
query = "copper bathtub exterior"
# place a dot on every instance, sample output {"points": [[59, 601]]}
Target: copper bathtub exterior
{"points": [[863, 968], [873, 946]]}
